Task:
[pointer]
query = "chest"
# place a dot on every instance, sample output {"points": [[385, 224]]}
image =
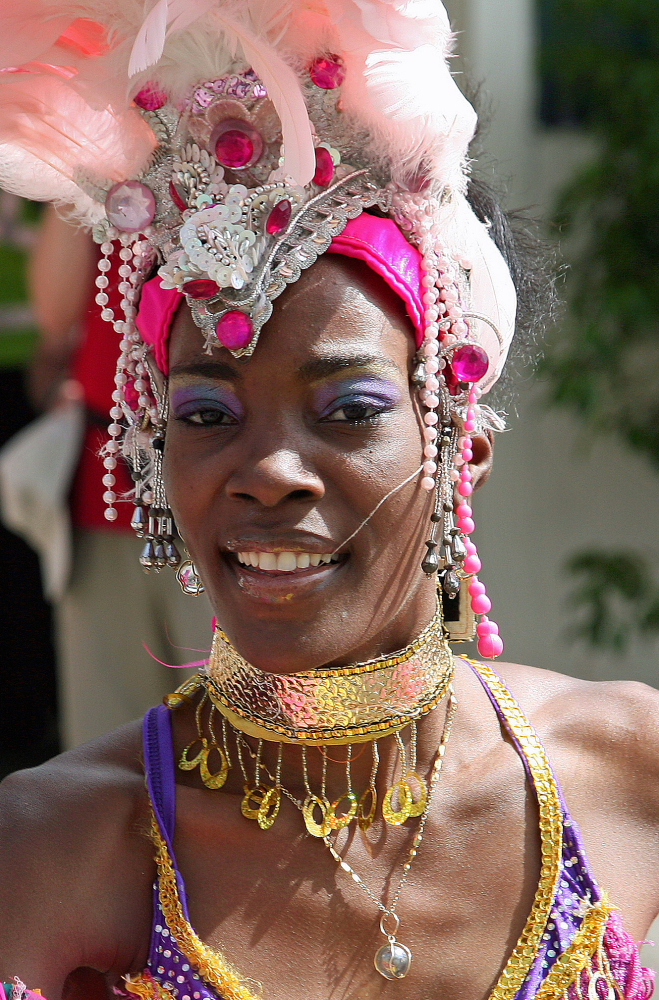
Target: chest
{"points": [[282, 911]]}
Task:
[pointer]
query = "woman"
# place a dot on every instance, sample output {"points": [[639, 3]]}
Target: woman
{"points": [[336, 803]]}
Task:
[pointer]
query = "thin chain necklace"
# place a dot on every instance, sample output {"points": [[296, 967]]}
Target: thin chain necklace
{"points": [[393, 960]]}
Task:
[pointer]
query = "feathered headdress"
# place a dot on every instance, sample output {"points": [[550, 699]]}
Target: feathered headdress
{"points": [[230, 142]]}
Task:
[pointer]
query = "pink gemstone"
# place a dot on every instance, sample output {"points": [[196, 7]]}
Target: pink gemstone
{"points": [[325, 168], [279, 217], [235, 330], [150, 98], [130, 206], [470, 363], [201, 288], [237, 144], [328, 73], [177, 197]]}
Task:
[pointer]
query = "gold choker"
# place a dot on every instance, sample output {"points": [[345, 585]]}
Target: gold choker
{"points": [[331, 706]]}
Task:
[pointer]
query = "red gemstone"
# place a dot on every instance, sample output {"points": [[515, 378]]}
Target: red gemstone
{"points": [[325, 168], [235, 330], [470, 363], [177, 197], [237, 144], [279, 217], [150, 98], [201, 288], [328, 72]]}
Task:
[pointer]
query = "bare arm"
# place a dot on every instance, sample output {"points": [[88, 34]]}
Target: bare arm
{"points": [[75, 871], [60, 277], [60, 281]]}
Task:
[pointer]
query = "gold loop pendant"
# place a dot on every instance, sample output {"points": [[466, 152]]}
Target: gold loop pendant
{"points": [[316, 829], [366, 819], [340, 822], [185, 764], [418, 806], [209, 779], [269, 808], [405, 800], [253, 800]]}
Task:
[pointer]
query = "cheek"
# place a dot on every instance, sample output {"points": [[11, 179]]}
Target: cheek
{"points": [[187, 482]]}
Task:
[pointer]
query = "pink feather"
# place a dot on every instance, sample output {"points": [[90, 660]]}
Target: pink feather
{"points": [[43, 115], [27, 31]]}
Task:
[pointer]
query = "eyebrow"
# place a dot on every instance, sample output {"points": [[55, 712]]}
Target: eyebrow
{"points": [[212, 368], [321, 368], [310, 371]]}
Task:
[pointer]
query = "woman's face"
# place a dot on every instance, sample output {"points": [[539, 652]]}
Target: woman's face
{"points": [[272, 463]]}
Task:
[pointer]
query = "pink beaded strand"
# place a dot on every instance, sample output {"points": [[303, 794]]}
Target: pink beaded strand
{"points": [[490, 644]]}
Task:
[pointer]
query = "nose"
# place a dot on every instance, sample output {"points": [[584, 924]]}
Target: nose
{"points": [[273, 477]]}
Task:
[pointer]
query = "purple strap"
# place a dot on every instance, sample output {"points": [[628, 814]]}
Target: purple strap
{"points": [[159, 766]]}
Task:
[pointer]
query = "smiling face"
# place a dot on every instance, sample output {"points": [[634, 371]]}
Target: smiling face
{"points": [[271, 464]]}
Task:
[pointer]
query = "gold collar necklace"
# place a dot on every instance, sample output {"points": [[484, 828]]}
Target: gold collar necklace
{"points": [[352, 704]]}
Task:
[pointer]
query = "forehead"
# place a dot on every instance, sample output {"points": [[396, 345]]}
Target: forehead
{"points": [[336, 302]]}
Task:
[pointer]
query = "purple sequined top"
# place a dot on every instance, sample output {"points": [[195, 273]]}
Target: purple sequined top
{"points": [[172, 973]]}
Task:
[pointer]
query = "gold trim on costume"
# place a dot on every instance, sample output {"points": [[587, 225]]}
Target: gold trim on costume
{"points": [[551, 838], [146, 988], [210, 964], [331, 706], [578, 957]]}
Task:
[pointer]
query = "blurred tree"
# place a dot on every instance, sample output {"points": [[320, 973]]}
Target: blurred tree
{"points": [[600, 70]]}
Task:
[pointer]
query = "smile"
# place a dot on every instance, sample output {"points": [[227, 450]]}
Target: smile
{"points": [[285, 562]]}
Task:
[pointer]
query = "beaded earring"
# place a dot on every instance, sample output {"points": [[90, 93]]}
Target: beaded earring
{"points": [[446, 363]]}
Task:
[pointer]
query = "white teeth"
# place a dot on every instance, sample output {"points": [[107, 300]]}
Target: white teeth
{"points": [[285, 562]]}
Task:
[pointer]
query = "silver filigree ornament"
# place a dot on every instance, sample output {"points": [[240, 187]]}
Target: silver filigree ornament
{"points": [[231, 238]]}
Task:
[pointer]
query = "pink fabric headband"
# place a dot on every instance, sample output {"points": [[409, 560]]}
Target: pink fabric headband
{"points": [[378, 242]]}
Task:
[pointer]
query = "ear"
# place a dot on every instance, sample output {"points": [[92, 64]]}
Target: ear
{"points": [[483, 452], [158, 380]]}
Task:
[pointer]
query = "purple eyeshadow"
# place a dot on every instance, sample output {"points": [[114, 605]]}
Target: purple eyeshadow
{"points": [[375, 390], [188, 399]]}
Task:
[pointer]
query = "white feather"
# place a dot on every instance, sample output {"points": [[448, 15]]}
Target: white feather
{"points": [[405, 24], [150, 42], [491, 288]]}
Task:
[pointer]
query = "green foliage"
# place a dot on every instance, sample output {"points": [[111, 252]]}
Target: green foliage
{"points": [[604, 363], [614, 598], [601, 66]]}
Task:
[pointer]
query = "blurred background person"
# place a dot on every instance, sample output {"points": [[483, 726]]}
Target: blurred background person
{"points": [[28, 707], [106, 676]]}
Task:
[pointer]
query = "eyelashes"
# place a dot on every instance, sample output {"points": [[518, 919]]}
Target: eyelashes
{"points": [[358, 406]]}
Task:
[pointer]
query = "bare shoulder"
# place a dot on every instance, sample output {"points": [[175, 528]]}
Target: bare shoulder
{"points": [[611, 725], [72, 839]]}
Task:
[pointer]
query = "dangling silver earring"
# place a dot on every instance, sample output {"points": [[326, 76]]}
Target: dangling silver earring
{"points": [[155, 523]]}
